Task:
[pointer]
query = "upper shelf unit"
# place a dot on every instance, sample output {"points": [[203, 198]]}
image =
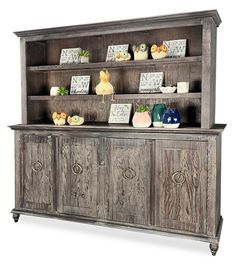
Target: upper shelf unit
{"points": [[40, 57]]}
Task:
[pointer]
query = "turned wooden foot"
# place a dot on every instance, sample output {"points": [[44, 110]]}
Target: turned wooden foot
{"points": [[16, 217], [214, 248]]}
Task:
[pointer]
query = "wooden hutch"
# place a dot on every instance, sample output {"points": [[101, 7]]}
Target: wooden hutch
{"points": [[155, 180]]}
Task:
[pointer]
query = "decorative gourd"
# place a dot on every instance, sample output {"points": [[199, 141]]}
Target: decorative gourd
{"points": [[104, 87]]}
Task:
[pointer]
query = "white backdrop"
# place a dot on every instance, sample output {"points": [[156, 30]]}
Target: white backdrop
{"points": [[36, 241]]}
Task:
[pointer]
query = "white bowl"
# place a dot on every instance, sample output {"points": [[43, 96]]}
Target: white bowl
{"points": [[168, 89]]}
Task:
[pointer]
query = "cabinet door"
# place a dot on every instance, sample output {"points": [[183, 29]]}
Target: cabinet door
{"points": [[181, 185], [130, 177], [78, 175], [36, 167]]}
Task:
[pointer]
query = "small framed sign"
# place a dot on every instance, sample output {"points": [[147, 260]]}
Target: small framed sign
{"points": [[79, 85], [70, 56], [176, 48], [112, 49], [120, 113], [150, 82]]}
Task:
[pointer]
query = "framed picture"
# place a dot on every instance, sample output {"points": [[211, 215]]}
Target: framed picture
{"points": [[70, 56], [176, 48], [150, 82], [120, 113], [112, 49], [79, 84]]}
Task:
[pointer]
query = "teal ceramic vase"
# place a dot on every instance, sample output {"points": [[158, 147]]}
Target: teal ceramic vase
{"points": [[157, 114]]}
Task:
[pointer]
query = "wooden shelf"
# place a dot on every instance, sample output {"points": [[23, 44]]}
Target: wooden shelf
{"points": [[123, 64], [194, 95], [101, 126]]}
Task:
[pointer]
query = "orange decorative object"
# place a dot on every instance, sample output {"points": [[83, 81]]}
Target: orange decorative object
{"points": [[59, 119], [158, 52]]}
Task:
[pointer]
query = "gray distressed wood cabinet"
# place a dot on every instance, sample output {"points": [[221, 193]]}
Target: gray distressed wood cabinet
{"points": [[156, 180]]}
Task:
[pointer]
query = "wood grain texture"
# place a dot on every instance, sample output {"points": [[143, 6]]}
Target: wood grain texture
{"points": [[24, 110], [122, 64], [36, 172], [93, 110], [122, 179], [130, 176], [193, 95], [157, 180], [78, 176], [124, 130], [214, 184], [181, 185], [208, 73]]}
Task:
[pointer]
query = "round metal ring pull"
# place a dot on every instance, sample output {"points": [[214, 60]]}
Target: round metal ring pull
{"points": [[178, 178], [37, 166], [77, 169], [129, 173]]}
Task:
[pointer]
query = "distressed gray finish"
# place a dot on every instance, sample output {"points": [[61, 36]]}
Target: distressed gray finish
{"points": [[78, 178], [181, 174], [166, 183], [130, 168], [35, 183], [158, 180], [40, 54]]}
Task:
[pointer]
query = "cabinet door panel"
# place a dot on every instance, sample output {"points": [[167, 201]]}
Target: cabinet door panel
{"points": [[181, 185], [78, 175], [130, 177], [37, 173]]}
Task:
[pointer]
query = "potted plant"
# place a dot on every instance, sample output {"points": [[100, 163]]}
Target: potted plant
{"points": [[142, 117], [63, 91], [84, 56]]}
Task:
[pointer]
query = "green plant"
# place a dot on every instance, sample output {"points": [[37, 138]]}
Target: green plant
{"points": [[84, 53], [63, 91], [142, 108]]}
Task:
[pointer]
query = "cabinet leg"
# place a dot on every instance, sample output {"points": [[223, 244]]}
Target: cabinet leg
{"points": [[214, 247], [16, 217]]}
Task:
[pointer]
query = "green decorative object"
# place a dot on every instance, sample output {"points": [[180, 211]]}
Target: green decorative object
{"points": [[84, 56], [63, 91], [157, 114]]}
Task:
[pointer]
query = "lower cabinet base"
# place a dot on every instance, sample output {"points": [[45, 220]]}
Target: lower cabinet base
{"points": [[214, 242]]}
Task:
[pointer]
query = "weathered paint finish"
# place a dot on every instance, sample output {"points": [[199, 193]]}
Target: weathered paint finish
{"points": [[78, 178], [181, 180], [130, 177], [157, 180], [36, 172]]}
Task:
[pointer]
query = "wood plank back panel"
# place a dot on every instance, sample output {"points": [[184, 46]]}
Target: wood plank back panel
{"points": [[127, 80], [100, 42], [95, 111]]}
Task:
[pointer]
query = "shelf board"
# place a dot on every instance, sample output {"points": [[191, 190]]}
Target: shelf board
{"points": [[193, 95], [127, 64], [105, 127]]}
